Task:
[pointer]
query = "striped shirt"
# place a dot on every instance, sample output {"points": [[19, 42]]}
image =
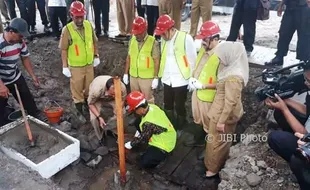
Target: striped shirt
{"points": [[9, 56]]}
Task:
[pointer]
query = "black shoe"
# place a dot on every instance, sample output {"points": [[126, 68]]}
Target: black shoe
{"points": [[216, 176], [272, 126], [275, 61], [46, 29], [33, 30], [120, 36], [98, 34], [106, 34]]}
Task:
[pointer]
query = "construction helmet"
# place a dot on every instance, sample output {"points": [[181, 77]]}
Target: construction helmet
{"points": [[208, 30], [134, 100], [77, 8], [139, 26], [164, 23]]}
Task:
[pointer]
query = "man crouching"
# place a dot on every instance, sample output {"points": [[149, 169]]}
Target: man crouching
{"points": [[154, 128], [102, 95]]}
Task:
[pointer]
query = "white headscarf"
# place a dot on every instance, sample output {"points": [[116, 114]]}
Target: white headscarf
{"points": [[234, 60]]}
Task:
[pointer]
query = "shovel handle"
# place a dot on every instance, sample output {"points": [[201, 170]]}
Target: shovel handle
{"points": [[24, 114]]}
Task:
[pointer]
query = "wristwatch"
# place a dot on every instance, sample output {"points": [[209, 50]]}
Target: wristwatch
{"points": [[96, 55]]}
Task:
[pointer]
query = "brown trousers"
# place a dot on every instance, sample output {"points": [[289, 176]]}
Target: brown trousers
{"points": [[125, 15], [173, 8], [200, 8], [144, 86], [93, 119], [80, 81], [218, 145]]}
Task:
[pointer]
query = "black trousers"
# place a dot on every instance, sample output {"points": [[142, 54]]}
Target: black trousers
{"points": [[301, 170], [140, 9], [247, 18], [152, 16], [292, 20], [26, 98], [152, 157], [284, 142], [101, 7], [32, 11], [175, 98], [55, 14], [11, 8], [23, 9]]}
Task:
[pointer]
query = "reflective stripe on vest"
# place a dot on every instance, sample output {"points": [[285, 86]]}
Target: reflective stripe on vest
{"points": [[180, 56], [165, 140], [81, 51], [141, 62], [208, 75]]}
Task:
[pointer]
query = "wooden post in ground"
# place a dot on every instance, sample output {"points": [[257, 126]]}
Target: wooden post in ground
{"points": [[120, 129]]}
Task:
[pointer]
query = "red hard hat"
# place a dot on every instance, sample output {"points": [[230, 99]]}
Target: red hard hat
{"points": [[134, 100], [139, 26], [164, 23], [208, 29], [77, 9]]}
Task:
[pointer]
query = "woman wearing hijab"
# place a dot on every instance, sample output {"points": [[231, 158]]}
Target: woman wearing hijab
{"points": [[226, 109]]}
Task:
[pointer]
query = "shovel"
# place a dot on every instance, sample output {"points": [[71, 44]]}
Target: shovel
{"points": [[24, 117]]}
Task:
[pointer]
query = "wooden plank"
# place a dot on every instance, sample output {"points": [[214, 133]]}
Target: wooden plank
{"points": [[187, 165], [177, 156]]}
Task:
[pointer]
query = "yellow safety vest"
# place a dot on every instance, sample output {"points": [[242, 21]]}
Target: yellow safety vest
{"points": [[166, 140], [141, 62], [81, 51], [208, 75], [180, 56]]}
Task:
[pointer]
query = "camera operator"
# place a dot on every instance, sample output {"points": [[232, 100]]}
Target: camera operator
{"points": [[291, 117], [300, 166]]}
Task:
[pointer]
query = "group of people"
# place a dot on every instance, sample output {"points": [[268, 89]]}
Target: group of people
{"points": [[155, 8], [216, 77]]}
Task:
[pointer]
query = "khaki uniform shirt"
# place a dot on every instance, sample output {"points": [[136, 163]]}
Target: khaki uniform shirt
{"points": [[227, 105], [97, 90], [155, 49], [66, 40]]}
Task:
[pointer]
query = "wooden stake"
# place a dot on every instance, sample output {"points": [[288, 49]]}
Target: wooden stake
{"points": [[120, 128], [24, 116]]}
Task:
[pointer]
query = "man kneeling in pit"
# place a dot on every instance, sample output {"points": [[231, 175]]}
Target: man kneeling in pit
{"points": [[154, 128], [101, 96]]}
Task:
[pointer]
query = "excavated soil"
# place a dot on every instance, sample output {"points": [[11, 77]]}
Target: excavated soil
{"points": [[47, 142]]}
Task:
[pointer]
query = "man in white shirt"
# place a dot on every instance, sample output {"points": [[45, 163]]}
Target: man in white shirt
{"points": [[57, 10], [152, 14], [177, 63]]}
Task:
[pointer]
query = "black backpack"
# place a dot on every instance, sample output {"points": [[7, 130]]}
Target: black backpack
{"points": [[263, 10]]}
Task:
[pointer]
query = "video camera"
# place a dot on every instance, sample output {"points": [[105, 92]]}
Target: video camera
{"points": [[284, 82], [304, 150]]}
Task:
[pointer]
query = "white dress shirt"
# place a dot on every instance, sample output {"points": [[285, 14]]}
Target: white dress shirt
{"points": [[172, 75], [57, 3], [149, 2]]}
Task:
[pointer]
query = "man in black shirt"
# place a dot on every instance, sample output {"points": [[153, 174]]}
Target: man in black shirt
{"points": [[296, 17]]}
